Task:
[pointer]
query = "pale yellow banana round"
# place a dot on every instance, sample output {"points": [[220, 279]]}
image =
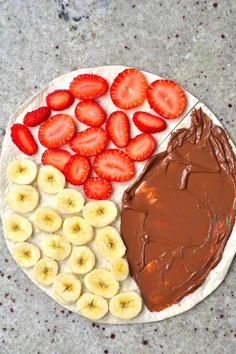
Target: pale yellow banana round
{"points": [[77, 230], [101, 282], [50, 179], [120, 269], [22, 171], [82, 260], [23, 199], [125, 305], [45, 271], [69, 201], [100, 213], [46, 219], [109, 244], [92, 306], [26, 254], [67, 287], [56, 247], [17, 228]]}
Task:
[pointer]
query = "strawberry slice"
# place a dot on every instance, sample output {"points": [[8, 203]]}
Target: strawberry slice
{"points": [[113, 165], [88, 86], [129, 89], [117, 127], [23, 139], [38, 116], [141, 147], [89, 142], [148, 123], [56, 157], [90, 112], [59, 100], [56, 131], [167, 98], [77, 169], [97, 188]]}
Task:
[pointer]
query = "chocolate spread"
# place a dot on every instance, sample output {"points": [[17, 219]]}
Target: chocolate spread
{"points": [[177, 217]]}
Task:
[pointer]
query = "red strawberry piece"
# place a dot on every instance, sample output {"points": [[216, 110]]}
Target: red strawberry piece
{"points": [[77, 169], [56, 157], [129, 89], [113, 165], [23, 139], [167, 98], [88, 86], [38, 116], [89, 142], [97, 188], [117, 127], [56, 131], [59, 100], [90, 112], [141, 147], [148, 123]]}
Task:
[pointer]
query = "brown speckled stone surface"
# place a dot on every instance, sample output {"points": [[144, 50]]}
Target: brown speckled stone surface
{"points": [[192, 42]]}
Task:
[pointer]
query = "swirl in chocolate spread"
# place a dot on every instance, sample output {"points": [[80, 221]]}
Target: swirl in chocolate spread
{"points": [[177, 217]]}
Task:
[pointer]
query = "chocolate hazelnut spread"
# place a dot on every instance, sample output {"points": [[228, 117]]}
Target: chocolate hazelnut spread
{"points": [[177, 217]]}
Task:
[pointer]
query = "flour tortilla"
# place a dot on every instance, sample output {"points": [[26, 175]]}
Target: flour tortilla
{"points": [[10, 152]]}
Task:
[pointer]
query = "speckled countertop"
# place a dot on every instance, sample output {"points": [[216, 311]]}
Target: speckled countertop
{"points": [[190, 41]]}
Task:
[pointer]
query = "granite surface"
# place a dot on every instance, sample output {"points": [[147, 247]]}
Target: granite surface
{"points": [[192, 42]]}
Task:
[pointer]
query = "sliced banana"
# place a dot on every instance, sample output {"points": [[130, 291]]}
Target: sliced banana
{"points": [[120, 269], [125, 305], [17, 228], [50, 179], [56, 247], [47, 220], [101, 282], [67, 287], [69, 201], [100, 213], [45, 271], [26, 254], [77, 230], [109, 244], [92, 306], [22, 171], [23, 198], [82, 260]]}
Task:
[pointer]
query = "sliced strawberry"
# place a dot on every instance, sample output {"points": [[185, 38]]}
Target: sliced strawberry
{"points": [[56, 131], [59, 100], [113, 165], [38, 116], [88, 86], [141, 147], [117, 127], [56, 157], [167, 98], [97, 188], [89, 142], [23, 139], [90, 112], [77, 169], [148, 123], [129, 89]]}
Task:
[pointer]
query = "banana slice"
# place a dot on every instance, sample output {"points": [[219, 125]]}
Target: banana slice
{"points": [[120, 269], [66, 287], [45, 271], [92, 306], [82, 260], [56, 247], [101, 282], [77, 230], [69, 201], [50, 179], [17, 228], [26, 254], [22, 171], [47, 220], [23, 198], [109, 244], [100, 213], [125, 305]]}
